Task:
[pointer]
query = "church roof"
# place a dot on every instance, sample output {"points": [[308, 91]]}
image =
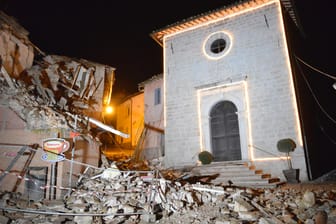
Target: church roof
{"points": [[224, 11]]}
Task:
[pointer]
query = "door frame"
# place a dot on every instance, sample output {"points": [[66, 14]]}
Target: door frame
{"points": [[210, 96]]}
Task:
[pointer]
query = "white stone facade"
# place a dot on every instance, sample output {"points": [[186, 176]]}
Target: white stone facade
{"points": [[253, 73]]}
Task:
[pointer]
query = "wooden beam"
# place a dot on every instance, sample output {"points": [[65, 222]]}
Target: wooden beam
{"points": [[154, 128]]}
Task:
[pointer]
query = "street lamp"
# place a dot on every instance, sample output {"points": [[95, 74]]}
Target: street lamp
{"points": [[334, 85], [108, 114], [109, 109]]}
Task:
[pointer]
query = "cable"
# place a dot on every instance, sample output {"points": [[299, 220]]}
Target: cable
{"points": [[328, 136], [314, 96], [323, 73]]}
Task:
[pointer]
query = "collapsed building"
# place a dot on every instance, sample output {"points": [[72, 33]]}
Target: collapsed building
{"points": [[47, 97]]}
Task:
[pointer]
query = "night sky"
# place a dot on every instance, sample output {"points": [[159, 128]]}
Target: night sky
{"points": [[116, 33]]}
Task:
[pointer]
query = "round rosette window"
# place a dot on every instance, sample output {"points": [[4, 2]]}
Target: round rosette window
{"points": [[217, 45]]}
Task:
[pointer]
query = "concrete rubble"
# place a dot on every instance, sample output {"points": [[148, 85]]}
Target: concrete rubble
{"points": [[49, 91], [120, 196], [52, 92]]}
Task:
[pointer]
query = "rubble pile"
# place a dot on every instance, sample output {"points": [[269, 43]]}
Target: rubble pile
{"points": [[115, 196], [55, 89]]}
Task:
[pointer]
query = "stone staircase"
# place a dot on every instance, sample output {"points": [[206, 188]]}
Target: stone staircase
{"points": [[237, 173]]}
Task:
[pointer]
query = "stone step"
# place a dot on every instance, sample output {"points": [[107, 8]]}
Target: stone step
{"points": [[238, 173], [260, 185], [220, 166], [228, 172], [226, 164], [211, 168], [247, 182], [241, 178]]}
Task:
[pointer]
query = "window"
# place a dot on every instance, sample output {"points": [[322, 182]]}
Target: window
{"points": [[157, 96], [217, 45]]}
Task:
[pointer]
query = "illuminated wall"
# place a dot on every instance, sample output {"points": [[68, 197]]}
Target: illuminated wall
{"points": [[253, 72], [130, 118]]}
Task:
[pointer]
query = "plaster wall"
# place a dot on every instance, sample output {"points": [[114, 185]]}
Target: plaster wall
{"points": [[130, 118], [15, 54], [154, 142]]}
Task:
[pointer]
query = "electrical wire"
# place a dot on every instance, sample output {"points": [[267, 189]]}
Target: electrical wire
{"points": [[323, 73], [311, 91], [328, 136]]}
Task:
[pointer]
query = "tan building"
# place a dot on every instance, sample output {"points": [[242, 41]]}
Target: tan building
{"points": [[130, 119]]}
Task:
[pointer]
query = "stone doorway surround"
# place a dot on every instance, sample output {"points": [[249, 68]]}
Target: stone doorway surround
{"points": [[234, 90]]}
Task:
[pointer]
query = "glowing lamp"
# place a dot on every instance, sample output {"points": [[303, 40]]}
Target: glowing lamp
{"points": [[109, 109]]}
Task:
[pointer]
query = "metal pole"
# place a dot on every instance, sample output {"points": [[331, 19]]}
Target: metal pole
{"points": [[72, 157], [71, 164], [53, 175]]}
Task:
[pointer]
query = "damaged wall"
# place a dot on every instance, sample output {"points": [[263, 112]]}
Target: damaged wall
{"points": [[70, 86], [153, 146], [54, 88], [55, 96], [16, 51]]}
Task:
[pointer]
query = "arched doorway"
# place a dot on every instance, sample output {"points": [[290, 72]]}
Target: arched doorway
{"points": [[224, 132]]}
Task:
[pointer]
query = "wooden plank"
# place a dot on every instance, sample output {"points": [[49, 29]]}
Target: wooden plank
{"points": [[154, 128], [7, 77]]}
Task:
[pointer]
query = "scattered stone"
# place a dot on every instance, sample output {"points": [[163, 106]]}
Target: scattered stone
{"points": [[83, 219], [4, 219], [321, 217], [129, 198], [242, 206], [308, 199]]}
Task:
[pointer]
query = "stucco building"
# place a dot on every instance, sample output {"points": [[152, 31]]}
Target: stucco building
{"points": [[130, 119], [153, 145]]}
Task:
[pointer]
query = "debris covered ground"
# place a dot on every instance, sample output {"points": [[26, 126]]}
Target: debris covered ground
{"points": [[112, 195]]}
